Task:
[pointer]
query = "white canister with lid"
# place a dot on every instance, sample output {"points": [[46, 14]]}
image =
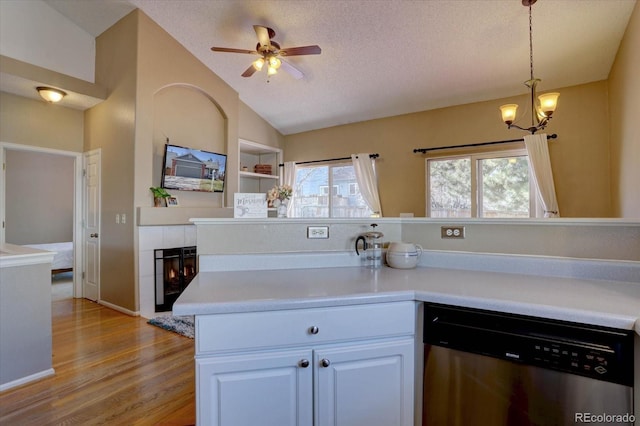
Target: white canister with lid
{"points": [[403, 255]]}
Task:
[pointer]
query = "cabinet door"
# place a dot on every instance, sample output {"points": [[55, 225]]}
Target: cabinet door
{"points": [[265, 388], [368, 384]]}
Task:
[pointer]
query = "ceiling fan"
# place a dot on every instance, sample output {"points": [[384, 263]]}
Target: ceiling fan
{"points": [[271, 54]]}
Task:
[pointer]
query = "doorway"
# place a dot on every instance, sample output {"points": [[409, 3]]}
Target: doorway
{"points": [[14, 190]]}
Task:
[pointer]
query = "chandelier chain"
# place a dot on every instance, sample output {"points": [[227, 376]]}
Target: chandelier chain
{"points": [[530, 42]]}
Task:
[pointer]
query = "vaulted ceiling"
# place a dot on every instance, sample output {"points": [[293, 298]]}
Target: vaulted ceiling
{"points": [[383, 57]]}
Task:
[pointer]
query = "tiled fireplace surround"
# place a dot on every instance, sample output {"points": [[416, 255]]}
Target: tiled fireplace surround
{"points": [[151, 238]]}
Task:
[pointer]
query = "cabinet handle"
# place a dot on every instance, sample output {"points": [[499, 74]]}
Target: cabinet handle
{"points": [[325, 362], [314, 330], [304, 363]]}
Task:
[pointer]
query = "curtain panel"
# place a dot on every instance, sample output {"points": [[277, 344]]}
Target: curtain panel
{"points": [[540, 163], [365, 171], [289, 178]]}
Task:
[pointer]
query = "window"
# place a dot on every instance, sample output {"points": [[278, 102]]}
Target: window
{"points": [[312, 197], [493, 184]]}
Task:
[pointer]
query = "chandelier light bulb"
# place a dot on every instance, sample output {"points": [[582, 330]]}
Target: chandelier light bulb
{"points": [[509, 113], [548, 103], [271, 70]]}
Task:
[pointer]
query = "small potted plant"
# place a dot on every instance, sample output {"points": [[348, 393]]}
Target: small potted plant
{"points": [[159, 194]]}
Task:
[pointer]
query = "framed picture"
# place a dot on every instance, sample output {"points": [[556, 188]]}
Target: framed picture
{"points": [[172, 201]]}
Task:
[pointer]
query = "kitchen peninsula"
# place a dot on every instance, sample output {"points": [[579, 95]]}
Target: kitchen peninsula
{"points": [[25, 315], [319, 312]]}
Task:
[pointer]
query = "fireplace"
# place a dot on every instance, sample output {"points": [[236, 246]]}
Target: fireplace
{"points": [[174, 270]]}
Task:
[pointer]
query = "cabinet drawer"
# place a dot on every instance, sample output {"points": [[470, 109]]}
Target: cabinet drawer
{"points": [[254, 330]]}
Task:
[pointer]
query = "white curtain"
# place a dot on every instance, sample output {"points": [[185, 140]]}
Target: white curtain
{"points": [[540, 163], [367, 181], [289, 178]]}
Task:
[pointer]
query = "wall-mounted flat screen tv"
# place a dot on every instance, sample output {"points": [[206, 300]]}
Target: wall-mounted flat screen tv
{"points": [[188, 169]]}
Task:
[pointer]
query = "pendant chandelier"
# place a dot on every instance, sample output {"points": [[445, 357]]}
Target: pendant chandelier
{"points": [[542, 106]]}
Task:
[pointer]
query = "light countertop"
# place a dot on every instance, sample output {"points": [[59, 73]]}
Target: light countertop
{"points": [[14, 255], [599, 302]]}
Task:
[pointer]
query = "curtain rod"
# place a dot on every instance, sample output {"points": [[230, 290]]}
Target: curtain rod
{"points": [[425, 150], [374, 156]]}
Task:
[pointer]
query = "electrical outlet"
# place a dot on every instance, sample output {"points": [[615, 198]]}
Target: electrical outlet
{"points": [[123, 219], [456, 232], [317, 232], [117, 218]]}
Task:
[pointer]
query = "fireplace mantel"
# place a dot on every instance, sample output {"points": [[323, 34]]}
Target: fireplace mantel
{"points": [[165, 216]]}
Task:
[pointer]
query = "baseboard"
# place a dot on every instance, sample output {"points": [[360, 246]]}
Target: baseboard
{"points": [[27, 379], [119, 308]]}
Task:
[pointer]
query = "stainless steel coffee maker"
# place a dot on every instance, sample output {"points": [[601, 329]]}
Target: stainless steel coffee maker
{"points": [[370, 251]]}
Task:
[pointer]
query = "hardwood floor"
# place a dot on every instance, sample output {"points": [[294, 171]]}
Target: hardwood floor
{"points": [[111, 369]]}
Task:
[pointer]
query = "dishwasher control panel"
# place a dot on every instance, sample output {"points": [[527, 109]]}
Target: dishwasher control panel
{"points": [[588, 361], [597, 352]]}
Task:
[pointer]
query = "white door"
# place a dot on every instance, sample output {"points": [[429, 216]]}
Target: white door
{"points": [[368, 384], [91, 240], [265, 388]]}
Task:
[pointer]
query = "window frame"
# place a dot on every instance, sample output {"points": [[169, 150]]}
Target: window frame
{"points": [[476, 194], [335, 189]]}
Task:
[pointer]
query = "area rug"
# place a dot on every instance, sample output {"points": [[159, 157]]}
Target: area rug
{"points": [[182, 325]]}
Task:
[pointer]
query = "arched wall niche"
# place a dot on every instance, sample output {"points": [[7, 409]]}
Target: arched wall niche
{"points": [[186, 115]]}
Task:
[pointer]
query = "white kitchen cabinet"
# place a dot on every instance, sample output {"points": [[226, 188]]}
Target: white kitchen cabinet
{"points": [[263, 388], [342, 366], [365, 384], [252, 153]]}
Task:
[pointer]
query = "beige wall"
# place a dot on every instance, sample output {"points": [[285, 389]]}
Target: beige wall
{"points": [[163, 62], [624, 101], [39, 197], [37, 123], [255, 128], [110, 127], [579, 156], [187, 117]]}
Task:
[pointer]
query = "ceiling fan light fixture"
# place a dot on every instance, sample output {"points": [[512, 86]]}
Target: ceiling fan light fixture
{"points": [[258, 64], [274, 62], [271, 70], [50, 94]]}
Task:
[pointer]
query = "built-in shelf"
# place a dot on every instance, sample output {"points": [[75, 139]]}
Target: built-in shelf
{"points": [[252, 153], [252, 175]]}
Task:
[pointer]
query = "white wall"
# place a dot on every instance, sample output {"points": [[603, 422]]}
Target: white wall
{"points": [[33, 32]]}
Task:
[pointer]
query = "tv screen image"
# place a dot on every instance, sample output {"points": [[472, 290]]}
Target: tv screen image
{"points": [[188, 169]]}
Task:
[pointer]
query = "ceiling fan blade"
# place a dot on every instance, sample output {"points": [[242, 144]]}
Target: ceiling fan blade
{"points": [[295, 72], [302, 50], [231, 50], [264, 34], [249, 71]]}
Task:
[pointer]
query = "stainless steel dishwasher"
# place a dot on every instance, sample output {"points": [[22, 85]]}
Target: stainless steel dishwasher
{"points": [[489, 368]]}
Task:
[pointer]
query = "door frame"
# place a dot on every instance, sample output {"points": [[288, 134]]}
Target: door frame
{"points": [[78, 253]]}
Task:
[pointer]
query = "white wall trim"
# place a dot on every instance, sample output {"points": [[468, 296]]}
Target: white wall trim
{"points": [[119, 308], [27, 379]]}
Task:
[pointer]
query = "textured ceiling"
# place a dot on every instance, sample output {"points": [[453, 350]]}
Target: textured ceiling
{"points": [[384, 58]]}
